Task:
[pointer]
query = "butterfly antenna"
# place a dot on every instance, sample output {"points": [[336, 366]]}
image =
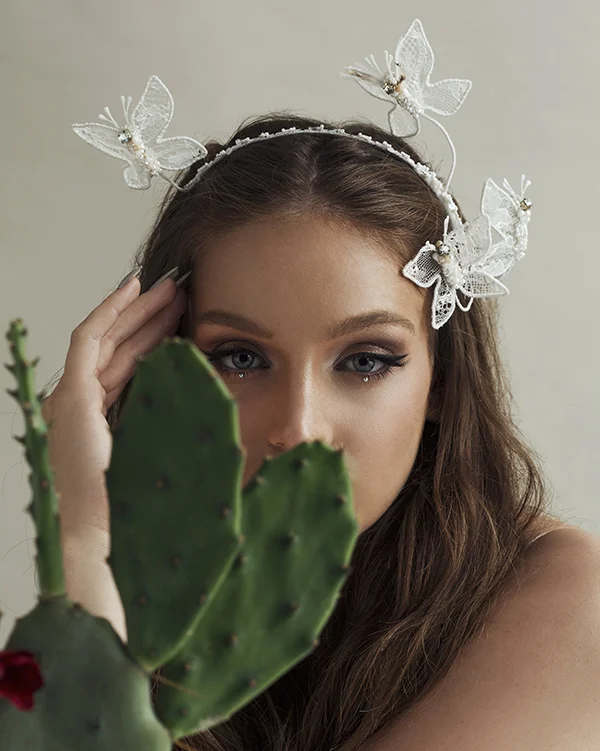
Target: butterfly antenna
{"points": [[126, 108], [110, 118], [371, 59], [510, 190]]}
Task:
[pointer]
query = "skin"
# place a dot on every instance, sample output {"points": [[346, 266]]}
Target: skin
{"points": [[295, 277]]}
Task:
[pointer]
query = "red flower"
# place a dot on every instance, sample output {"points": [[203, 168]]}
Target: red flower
{"points": [[20, 676]]}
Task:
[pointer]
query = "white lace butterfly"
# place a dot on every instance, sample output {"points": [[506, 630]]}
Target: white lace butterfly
{"points": [[458, 262], [406, 84], [509, 214], [139, 141]]}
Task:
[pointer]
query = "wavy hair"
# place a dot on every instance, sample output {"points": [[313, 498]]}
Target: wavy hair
{"points": [[426, 575]]}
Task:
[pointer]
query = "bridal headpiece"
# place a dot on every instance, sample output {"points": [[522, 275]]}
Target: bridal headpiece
{"points": [[467, 259]]}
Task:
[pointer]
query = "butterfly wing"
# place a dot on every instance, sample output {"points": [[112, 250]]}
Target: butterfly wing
{"points": [[481, 284], [153, 113], [137, 176], [423, 270], [498, 205], [479, 231], [415, 57], [499, 260], [103, 137], [402, 122], [177, 153], [445, 97], [369, 78], [444, 304], [470, 241]]}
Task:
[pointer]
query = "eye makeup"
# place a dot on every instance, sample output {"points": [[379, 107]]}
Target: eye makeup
{"points": [[389, 362]]}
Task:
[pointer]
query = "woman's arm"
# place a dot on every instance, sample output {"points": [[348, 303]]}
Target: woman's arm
{"points": [[89, 579]]}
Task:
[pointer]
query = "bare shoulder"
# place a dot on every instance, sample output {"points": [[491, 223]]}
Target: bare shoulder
{"points": [[531, 680], [565, 555]]}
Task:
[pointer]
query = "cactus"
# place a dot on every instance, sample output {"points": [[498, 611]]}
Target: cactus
{"points": [[174, 491], [224, 589]]}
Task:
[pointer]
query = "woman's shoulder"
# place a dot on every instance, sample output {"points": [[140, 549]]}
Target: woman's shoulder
{"points": [[553, 530], [532, 657], [558, 550]]}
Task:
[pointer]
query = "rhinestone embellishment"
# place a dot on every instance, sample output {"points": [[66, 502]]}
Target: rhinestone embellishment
{"points": [[525, 204], [241, 375]]}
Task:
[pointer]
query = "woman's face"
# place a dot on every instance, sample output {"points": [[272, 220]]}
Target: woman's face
{"points": [[293, 281]]}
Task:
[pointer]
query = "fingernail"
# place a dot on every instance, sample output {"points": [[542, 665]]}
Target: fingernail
{"points": [[185, 276], [129, 276], [169, 274]]}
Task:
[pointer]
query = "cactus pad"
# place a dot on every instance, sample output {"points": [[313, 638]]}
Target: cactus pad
{"points": [[94, 697], [174, 491], [300, 530]]}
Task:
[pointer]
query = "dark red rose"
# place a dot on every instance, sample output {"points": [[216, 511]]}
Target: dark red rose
{"points": [[20, 676]]}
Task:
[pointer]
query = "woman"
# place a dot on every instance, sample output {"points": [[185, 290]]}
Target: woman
{"points": [[295, 235]]}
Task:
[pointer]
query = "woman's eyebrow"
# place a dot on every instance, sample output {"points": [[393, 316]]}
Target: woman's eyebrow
{"points": [[340, 328]]}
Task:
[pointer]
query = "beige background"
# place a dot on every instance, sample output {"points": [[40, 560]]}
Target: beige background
{"points": [[69, 225]]}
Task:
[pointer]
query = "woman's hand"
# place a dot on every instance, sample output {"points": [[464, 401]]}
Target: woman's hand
{"points": [[100, 361]]}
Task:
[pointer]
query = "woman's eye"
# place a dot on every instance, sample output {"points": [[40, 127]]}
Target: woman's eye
{"points": [[362, 363]]}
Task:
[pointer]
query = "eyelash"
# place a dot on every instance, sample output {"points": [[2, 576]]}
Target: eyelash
{"points": [[391, 361]]}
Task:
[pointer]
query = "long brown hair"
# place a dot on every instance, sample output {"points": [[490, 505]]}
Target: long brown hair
{"points": [[428, 572]]}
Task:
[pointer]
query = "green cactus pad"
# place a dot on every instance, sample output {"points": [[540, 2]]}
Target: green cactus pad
{"points": [[300, 530], [174, 487], [94, 697]]}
